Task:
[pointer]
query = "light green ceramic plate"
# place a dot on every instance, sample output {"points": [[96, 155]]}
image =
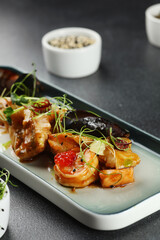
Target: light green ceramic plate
{"points": [[98, 208]]}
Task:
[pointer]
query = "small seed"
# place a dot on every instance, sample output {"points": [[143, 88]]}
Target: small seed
{"points": [[71, 42]]}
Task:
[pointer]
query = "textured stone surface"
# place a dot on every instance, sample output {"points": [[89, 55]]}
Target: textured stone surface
{"points": [[126, 85]]}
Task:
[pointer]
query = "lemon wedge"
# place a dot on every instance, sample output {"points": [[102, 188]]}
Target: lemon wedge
{"points": [[97, 147]]}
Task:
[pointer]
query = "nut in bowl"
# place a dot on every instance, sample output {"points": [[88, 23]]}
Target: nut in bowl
{"points": [[72, 52], [152, 15]]}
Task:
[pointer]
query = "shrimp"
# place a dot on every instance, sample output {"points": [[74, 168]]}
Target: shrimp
{"points": [[62, 142], [114, 158], [116, 177], [76, 172]]}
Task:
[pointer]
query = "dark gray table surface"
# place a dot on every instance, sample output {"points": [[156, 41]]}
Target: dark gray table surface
{"points": [[127, 85]]}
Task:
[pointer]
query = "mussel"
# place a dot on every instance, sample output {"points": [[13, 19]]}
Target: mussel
{"points": [[99, 126]]}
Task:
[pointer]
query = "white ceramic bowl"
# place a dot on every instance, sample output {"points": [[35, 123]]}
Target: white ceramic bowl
{"points": [[153, 24], [72, 63], [4, 212]]}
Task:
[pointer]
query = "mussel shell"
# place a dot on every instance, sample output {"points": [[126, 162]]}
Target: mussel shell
{"points": [[80, 118]]}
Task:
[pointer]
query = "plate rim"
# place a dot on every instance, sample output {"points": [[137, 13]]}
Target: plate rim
{"points": [[91, 219]]}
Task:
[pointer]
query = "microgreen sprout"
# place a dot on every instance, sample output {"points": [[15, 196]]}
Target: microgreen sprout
{"points": [[8, 112], [4, 179], [86, 132], [3, 92], [93, 113], [63, 104], [118, 142], [18, 100], [21, 86]]}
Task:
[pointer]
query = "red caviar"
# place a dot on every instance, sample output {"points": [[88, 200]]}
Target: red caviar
{"points": [[65, 159], [42, 106], [121, 144]]}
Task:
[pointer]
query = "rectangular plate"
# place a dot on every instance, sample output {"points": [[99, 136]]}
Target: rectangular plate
{"points": [[98, 208]]}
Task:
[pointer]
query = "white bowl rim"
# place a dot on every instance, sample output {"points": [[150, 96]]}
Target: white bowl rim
{"points": [[90, 32], [151, 16]]}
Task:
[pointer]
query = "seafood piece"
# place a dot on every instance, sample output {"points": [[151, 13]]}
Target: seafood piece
{"points": [[5, 102], [99, 126], [82, 140], [116, 177], [28, 135], [72, 171], [62, 142], [114, 158]]}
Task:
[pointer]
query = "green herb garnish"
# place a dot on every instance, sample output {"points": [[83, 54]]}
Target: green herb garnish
{"points": [[63, 104], [119, 143], [7, 144], [3, 92], [86, 132], [21, 86], [97, 115], [18, 100], [4, 179], [8, 112]]}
